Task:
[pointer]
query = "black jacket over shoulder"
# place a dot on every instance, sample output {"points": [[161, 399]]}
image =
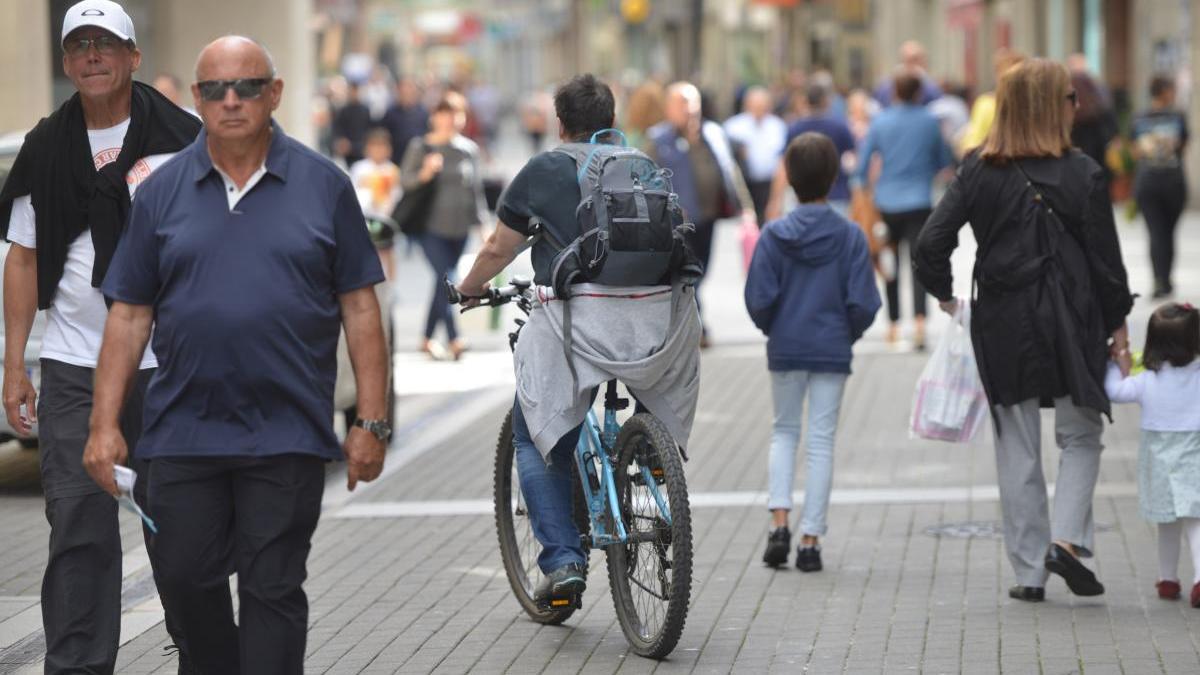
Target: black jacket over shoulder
{"points": [[1049, 288]]}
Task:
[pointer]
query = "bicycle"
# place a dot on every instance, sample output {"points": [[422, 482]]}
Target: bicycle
{"points": [[630, 500]]}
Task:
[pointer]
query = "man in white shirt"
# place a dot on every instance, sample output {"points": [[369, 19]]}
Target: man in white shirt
{"points": [[63, 208], [760, 137]]}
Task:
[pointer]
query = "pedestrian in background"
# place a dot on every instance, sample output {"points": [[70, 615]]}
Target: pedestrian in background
{"points": [[983, 110], [1169, 453], [1095, 123], [703, 171], [909, 142], [376, 181], [822, 120], [644, 109], [758, 138], [63, 207], [406, 118], [913, 61], [1051, 290], [1160, 136], [811, 290], [450, 161], [375, 176], [246, 253], [351, 123]]}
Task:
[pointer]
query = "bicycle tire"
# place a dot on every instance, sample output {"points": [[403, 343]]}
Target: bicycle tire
{"points": [[518, 547], [647, 437]]}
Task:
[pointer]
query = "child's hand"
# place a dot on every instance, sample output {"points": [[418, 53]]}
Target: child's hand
{"points": [[1124, 361]]}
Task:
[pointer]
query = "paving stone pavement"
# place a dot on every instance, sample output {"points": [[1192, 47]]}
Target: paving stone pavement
{"points": [[426, 593]]}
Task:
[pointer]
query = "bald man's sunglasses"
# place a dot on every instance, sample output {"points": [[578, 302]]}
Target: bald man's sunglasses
{"points": [[249, 88]]}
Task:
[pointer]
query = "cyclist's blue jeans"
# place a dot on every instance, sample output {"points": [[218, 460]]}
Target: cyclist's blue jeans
{"points": [[547, 485]]}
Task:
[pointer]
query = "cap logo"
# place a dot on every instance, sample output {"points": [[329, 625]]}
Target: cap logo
{"points": [[91, 12]]}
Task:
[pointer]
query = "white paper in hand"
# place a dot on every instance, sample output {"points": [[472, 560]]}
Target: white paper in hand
{"points": [[125, 479]]}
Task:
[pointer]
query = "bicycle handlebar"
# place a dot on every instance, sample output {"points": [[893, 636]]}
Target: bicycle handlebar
{"points": [[492, 297]]}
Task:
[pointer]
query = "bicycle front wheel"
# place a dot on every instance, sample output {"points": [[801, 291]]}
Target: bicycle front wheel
{"points": [[651, 575]]}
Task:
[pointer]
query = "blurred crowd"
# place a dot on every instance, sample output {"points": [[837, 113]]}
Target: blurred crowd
{"points": [[899, 142]]}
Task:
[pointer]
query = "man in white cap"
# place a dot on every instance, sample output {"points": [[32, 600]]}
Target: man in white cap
{"points": [[64, 207]]}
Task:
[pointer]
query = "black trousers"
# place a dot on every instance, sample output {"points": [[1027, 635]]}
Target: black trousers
{"points": [[253, 516], [903, 227], [760, 194], [701, 242], [81, 587], [1161, 196]]}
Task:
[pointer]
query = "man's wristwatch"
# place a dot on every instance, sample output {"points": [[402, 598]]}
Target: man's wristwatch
{"points": [[379, 428]]}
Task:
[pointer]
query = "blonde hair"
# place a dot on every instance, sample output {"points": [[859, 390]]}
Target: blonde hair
{"points": [[1033, 114], [645, 106]]}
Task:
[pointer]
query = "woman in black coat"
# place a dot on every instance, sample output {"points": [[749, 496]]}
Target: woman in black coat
{"points": [[1050, 293]]}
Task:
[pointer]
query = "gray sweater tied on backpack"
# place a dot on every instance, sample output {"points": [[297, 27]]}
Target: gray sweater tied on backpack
{"points": [[647, 337]]}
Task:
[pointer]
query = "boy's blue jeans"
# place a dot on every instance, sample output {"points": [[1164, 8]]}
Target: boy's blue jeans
{"points": [[547, 485], [788, 390]]}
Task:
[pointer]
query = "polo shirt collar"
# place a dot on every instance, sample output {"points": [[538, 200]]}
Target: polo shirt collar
{"points": [[276, 162]]}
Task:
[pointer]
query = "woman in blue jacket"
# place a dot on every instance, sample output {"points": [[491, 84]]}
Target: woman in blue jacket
{"points": [[811, 290]]}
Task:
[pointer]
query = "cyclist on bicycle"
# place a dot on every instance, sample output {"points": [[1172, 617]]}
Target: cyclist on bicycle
{"points": [[645, 333]]}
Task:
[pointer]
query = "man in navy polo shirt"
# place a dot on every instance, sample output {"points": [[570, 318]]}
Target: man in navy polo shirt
{"points": [[247, 252]]}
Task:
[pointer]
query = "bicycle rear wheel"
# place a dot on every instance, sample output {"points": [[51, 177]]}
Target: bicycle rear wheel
{"points": [[651, 576], [518, 547]]}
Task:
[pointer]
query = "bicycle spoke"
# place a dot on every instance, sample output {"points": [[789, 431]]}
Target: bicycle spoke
{"points": [[647, 563], [526, 542]]}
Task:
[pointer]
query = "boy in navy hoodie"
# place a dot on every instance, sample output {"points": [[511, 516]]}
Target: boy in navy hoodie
{"points": [[811, 290]]}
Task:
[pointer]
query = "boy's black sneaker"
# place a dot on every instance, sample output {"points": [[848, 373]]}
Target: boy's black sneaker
{"points": [[779, 542], [561, 587], [808, 558]]}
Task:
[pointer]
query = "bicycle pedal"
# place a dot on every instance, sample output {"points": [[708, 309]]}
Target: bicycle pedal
{"points": [[575, 601]]}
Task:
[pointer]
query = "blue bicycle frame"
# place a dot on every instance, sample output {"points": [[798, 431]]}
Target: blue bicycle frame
{"points": [[593, 457]]}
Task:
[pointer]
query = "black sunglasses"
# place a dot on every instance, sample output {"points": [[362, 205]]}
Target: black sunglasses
{"points": [[1073, 97], [245, 88]]}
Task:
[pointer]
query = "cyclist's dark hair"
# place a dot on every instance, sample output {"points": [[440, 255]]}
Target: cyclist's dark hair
{"points": [[1173, 336], [811, 161], [584, 105]]}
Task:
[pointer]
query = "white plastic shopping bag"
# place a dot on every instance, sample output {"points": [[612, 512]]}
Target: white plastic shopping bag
{"points": [[949, 403]]}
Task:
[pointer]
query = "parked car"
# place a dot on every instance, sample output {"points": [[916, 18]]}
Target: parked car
{"points": [[10, 144]]}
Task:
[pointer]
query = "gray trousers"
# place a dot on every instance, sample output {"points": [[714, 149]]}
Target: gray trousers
{"points": [[81, 588], [1028, 525]]}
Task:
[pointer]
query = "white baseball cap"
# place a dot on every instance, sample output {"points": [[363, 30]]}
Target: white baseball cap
{"points": [[101, 14]]}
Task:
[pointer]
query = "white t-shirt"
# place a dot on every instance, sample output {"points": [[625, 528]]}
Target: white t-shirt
{"points": [[75, 320]]}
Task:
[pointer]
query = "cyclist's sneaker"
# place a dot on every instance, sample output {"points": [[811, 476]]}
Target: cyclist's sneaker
{"points": [[561, 587], [808, 558], [779, 542]]}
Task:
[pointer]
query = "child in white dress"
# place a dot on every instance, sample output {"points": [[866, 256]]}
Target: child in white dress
{"points": [[1169, 456]]}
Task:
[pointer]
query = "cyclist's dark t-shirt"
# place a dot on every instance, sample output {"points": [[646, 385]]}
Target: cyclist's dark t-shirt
{"points": [[545, 187]]}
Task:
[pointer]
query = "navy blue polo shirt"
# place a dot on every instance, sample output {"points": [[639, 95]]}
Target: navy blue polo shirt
{"points": [[245, 301]]}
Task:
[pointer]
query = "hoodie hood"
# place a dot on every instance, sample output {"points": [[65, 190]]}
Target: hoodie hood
{"points": [[809, 235]]}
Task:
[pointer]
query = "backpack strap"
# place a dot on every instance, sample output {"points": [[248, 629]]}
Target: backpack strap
{"points": [[1041, 199]]}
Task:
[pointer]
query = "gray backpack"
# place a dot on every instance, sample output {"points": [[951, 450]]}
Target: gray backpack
{"points": [[630, 222]]}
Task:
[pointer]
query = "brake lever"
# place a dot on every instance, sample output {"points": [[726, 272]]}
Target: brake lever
{"points": [[456, 297], [452, 294]]}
